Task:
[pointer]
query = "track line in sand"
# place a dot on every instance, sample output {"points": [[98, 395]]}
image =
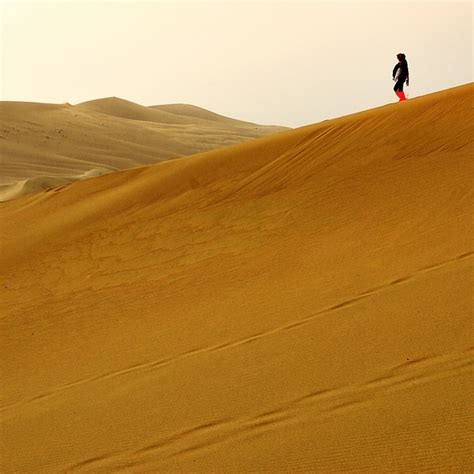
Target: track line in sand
{"points": [[326, 404], [153, 365]]}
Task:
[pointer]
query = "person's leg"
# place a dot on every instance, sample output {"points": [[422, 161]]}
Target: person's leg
{"points": [[395, 89], [398, 88]]}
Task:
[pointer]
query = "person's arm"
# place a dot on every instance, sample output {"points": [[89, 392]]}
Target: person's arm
{"points": [[408, 77], [395, 70]]}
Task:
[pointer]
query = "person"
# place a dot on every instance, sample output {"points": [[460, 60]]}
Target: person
{"points": [[400, 76]]}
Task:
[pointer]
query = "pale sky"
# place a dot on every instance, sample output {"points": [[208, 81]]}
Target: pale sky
{"points": [[272, 62]]}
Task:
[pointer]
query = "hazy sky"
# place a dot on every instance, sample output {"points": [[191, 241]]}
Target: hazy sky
{"points": [[276, 62]]}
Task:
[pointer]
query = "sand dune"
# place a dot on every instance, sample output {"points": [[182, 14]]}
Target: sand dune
{"points": [[187, 110], [297, 302], [47, 145]]}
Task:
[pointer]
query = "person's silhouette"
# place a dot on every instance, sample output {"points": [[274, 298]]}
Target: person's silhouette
{"points": [[400, 76]]}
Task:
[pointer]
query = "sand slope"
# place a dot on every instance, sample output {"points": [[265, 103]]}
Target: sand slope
{"points": [[43, 146], [297, 302]]}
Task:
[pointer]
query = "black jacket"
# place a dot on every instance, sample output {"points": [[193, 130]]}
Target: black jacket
{"points": [[403, 73]]}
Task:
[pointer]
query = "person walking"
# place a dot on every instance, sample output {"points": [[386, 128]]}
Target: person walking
{"points": [[400, 76]]}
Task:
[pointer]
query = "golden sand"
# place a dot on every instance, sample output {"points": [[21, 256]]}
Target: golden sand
{"points": [[297, 302], [44, 146]]}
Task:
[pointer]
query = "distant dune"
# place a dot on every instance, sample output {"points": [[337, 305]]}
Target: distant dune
{"points": [[185, 110], [43, 146], [299, 302]]}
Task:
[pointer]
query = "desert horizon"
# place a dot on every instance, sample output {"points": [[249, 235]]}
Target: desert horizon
{"points": [[51, 145]]}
